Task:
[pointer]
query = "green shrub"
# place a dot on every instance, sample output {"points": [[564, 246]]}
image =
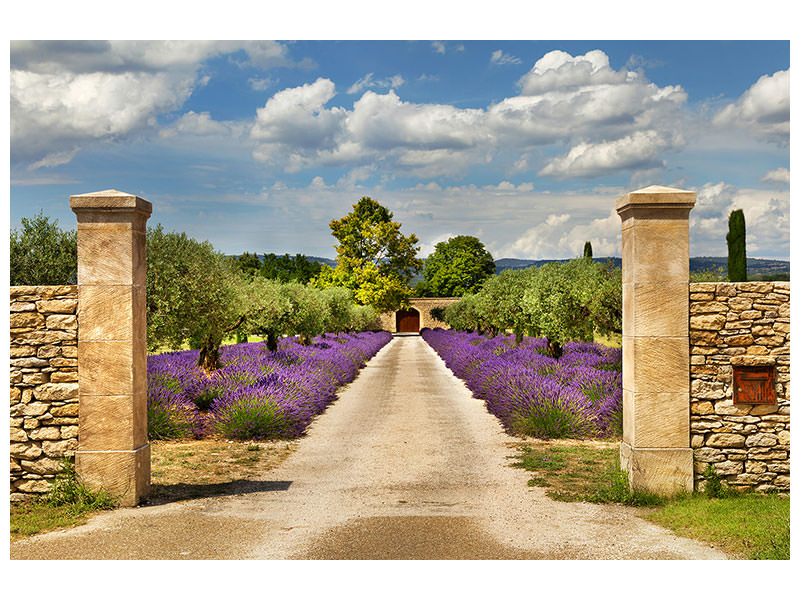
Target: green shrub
{"points": [[68, 489]]}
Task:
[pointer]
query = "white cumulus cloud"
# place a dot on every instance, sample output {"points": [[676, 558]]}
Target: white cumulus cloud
{"points": [[779, 176], [763, 109], [640, 150]]}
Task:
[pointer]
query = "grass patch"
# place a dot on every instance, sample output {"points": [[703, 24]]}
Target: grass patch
{"points": [[68, 504], [744, 525], [580, 473], [180, 470]]}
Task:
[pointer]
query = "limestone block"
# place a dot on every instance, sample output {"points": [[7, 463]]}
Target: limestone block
{"points": [[660, 364], [21, 351], [761, 439], [69, 351], [696, 308], [30, 362], [755, 466], [106, 311], [70, 431], [782, 481], [16, 395], [713, 322], [740, 304], [707, 390], [784, 437], [59, 448], [663, 471], [25, 451], [26, 320], [729, 467], [111, 368], [64, 377], [18, 435], [709, 455], [56, 391], [48, 351], [57, 306], [31, 409], [654, 309], [702, 287], [657, 420], [125, 475], [68, 410], [751, 315], [38, 338], [656, 250], [38, 486], [62, 322], [43, 466], [45, 433], [113, 422], [725, 440], [22, 307], [35, 378], [702, 408], [740, 340]]}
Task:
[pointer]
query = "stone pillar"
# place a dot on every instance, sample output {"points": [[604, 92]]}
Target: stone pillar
{"points": [[655, 449], [113, 451]]}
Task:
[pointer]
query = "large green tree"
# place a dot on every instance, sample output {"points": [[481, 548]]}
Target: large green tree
{"points": [[456, 267], [373, 258], [42, 254]]}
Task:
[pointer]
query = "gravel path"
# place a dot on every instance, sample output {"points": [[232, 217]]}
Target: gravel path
{"points": [[405, 465]]}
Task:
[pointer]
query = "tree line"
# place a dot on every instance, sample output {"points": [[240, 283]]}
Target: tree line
{"points": [[560, 301]]}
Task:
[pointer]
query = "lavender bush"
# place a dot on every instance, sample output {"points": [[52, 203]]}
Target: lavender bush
{"points": [[578, 395], [257, 394]]}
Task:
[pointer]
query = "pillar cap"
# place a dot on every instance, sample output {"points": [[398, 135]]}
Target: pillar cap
{"points": [[657, 196], [109, 200]]}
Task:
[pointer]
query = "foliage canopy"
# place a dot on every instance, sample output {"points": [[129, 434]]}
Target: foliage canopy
{"points": [[374, 260], [42, 254], [456, 267]]}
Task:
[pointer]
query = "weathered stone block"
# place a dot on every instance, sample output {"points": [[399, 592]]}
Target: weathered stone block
{"points": [[57, 306], [62, 322], [725, 440], [56, 391], [26, 320], [761, 439]]}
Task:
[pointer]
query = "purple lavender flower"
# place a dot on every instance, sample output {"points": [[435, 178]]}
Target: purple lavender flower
{"points": [[579, 395]]}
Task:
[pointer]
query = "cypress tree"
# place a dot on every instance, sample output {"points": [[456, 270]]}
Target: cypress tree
{"points": [[737, 255], [587, 250]]}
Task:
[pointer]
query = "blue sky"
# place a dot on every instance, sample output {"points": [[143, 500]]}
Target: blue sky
{"points": [[256, 146]]}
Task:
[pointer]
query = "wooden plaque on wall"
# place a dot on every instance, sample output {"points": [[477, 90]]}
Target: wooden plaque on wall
{"points": [[754, 385]]}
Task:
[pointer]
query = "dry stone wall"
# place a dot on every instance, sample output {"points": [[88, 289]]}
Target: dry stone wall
{"points": [[44, 385], [739, 325], [388, 320]]}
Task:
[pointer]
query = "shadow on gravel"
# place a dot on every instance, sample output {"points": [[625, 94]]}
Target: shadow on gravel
{"points": [[164, 494]]}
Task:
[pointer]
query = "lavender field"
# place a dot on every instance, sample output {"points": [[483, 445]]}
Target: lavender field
{"points": [[576, 396], [257, 394]]}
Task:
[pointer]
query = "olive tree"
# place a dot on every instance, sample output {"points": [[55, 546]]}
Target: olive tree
{"points": [[40, 253], [193, 292]]}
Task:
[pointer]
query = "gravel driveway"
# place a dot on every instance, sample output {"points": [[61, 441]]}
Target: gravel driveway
{"points": [[406, 464]]}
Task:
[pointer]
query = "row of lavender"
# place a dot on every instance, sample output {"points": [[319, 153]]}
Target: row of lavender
{"points": [[257, 394], [578, 395]]}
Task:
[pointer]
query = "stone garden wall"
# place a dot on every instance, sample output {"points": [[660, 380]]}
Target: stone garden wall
{"points": [[44, 385], [739, 325], [423, 305]]}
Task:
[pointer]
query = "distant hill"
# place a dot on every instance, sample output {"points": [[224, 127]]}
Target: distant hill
{"points": [[755, 266]]}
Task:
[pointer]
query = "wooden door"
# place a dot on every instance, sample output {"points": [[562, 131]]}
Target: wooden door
{"points": [[408, 321]]}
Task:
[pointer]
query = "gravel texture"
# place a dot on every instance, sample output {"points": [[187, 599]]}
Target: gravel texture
{"points": [[406, 464]]}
